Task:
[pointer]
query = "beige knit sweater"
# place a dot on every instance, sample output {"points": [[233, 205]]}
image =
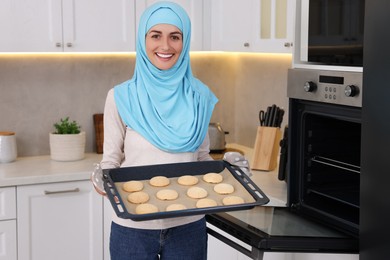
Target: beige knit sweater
{"points": [[124, 147]]}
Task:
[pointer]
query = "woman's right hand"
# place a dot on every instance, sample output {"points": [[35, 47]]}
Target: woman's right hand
{"points": [[97, 180]]}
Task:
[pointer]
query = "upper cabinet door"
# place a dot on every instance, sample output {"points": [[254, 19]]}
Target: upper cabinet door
{"points": [[194, 9], [277, 18], [233, 24], [98, 25], [72, 25], [27, 25], [252, 25]]}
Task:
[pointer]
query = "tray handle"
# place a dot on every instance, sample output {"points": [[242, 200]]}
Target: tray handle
{"points": [[115, 199], [246, 180]]}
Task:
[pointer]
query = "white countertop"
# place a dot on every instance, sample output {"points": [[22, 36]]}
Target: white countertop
{"points": [[41, 169]]}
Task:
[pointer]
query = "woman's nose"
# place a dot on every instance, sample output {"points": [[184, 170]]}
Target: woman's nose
{"points": [[165, 43]]}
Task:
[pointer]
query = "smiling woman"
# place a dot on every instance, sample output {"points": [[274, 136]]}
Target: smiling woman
{"points": [[159, 116]]}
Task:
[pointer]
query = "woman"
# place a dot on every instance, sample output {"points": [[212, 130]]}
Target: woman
{"points": [[159, 116]]}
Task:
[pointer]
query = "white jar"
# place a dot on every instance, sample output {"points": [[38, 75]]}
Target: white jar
{"points": [[8, 151]]}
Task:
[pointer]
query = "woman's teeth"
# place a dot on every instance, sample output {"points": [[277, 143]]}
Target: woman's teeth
{"points": [[162, 55]]}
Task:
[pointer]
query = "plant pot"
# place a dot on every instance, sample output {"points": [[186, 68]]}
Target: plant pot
{"points": [[67, 147]]}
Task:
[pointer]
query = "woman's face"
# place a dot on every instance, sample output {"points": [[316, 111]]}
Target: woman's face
{"points": [[164, 43]]}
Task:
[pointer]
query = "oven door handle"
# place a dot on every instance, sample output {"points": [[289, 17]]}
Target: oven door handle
{"points": [[254, 253]]}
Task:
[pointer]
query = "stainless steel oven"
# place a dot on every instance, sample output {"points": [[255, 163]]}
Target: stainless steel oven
{"points": [[323, 174], [324, 146]]}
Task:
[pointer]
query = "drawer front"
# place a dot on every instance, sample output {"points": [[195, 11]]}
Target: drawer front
{"points": [[8, 240], [7, 203]]}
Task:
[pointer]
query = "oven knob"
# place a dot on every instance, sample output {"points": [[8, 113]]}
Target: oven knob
{"points": [[309, 86], [351, 90]]}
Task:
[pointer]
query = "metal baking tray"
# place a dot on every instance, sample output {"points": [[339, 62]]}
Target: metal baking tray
{"points": [[113, 178]]}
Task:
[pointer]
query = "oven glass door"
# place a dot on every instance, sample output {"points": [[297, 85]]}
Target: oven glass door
{"points": [[277, 229], [324, 177]]}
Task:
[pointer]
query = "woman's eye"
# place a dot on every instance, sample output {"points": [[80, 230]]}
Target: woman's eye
{"points": [[176, 38]]}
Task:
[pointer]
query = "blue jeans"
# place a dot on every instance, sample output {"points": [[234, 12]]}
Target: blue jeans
{"points": [[186, 242]]}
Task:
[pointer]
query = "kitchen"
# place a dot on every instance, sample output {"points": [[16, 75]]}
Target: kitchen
{"points": [[37, 89]]}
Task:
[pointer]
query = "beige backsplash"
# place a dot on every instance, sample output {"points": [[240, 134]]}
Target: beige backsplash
{"points": [[37, 90]]}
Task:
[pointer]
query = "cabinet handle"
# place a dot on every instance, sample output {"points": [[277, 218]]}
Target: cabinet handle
{"points": [[246, 44], [58, 44], [288, 44], [47, 192], [69, 44]]}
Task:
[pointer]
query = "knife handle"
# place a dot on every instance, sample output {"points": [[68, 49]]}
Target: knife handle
{"points": [[267, 117], [274, 111]]}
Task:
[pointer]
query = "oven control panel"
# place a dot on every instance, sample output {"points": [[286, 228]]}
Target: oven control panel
{"points": [[337, 87]]}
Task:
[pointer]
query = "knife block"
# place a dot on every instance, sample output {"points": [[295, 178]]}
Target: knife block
{"points": [[266, 150]]}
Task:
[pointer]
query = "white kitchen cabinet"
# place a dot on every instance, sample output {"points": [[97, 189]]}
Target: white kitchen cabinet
{"points": [[59, 221], [107, 219], [58, 25], [194, 10], [8, 244], [251, 25], [8, 240]]}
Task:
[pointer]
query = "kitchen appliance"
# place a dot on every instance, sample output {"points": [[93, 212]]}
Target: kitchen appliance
{"points": [[217, 137], [324, 146], [322, 174], [329, 34]]}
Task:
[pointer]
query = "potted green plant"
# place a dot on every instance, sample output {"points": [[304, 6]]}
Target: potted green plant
{"points": [[67, 142]]}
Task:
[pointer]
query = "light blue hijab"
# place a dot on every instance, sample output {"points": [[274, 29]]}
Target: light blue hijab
{"points": [[170, 108]]}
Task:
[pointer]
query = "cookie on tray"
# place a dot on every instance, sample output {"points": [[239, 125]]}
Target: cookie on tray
{"points": [[205, 203], [197, 193], [146, 208], [175, 206], [224, 188], [187, 180], [167, 194], [132, 186], [138, 197], [232, 200], [213, 177], [159, 181]]}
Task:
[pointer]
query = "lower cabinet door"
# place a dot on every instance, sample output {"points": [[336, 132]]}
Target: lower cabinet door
{"points": [[8, 240], [60, 221]]}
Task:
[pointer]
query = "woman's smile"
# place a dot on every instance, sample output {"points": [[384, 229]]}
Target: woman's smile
{"points": [[164, 56]]}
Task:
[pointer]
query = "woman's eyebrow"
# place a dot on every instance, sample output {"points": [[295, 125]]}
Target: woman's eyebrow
{"points": [[160, 32], [178, 32], [154, 31]]}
